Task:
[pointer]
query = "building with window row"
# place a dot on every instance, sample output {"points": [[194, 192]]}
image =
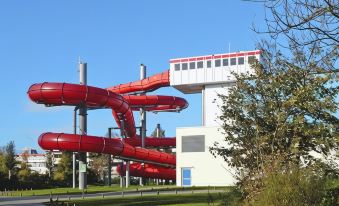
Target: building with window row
{"points": [[36, 161], [209, 75]]}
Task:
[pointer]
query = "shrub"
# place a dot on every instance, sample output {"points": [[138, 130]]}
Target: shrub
{"points": [[294, 187]]}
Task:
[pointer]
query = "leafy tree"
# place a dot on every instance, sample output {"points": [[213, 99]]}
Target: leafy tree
{"points": [[24, 172], [99, 164], [49, 163], [2, 161], [10, 158], [63, 173], [2, 166], [275, 117]]}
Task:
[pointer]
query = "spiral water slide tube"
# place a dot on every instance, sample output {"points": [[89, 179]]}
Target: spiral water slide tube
{"points": [[123, 100]]}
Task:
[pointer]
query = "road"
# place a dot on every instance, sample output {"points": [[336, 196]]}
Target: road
{"points": [[38, 200]]}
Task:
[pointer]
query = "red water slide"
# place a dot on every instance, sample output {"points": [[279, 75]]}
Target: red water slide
{"points": [[122, 103], [148, 170]]}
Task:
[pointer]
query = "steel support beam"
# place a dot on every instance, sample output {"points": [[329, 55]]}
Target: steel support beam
{"points": [[73, 154], [83, 128], [142, 115]]}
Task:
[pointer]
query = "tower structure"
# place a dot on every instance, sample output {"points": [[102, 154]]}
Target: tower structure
{"points": [[209, 75]]}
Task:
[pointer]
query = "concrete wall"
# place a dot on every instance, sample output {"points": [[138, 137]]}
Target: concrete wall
{"points": [[211, 103], [205, 169]]}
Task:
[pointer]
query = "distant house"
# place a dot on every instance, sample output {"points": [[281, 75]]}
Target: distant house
{"points": [[36, 161]]}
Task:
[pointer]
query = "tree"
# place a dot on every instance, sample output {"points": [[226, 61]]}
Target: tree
{"points": [[10, 158], [161, 133], [49, 163], [3, 169], [63, 172], [273, 118], [307, 26], [99, 164], [24, 172]]}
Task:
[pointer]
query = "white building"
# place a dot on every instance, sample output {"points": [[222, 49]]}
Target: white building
{"points": [[209, 75], [37, 162]]}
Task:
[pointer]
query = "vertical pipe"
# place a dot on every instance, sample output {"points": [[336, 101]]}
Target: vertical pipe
{"points": [[75, 132], [83, 127], [109, 160], [121, 177], [127, 173], [142, 114], [158, 130], [203, 109], [158, 135], [142, 110], [122, 134]]}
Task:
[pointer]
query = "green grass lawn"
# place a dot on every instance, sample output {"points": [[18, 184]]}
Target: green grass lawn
{"points": [[99, 189], [177, 200], [67, 190]]}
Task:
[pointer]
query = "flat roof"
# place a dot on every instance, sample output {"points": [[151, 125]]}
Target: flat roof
{"points": [[215, 56]]}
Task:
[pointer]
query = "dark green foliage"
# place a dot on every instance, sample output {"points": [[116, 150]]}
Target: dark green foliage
{"points": [[10, 158], [231, 198], [63, 173], [274, 118], [295, 187], [92, 177]]}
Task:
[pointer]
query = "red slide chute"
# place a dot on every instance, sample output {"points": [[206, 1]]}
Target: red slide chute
{"points": [[122, 104]]}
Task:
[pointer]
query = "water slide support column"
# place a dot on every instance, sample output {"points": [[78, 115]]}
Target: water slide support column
{"points": [[142, 115], [83, 130]]}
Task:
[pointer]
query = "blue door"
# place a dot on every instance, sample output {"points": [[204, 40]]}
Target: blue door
{"points": [[186, 176]]}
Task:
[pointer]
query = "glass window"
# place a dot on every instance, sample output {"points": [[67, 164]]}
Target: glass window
{"points": [[209, 64], [184, 66], [251, 59], [192, 65], [194, 143], [233, 61], [241, 60], [176, 67], [217, 63], [200, 64], [225, 62]]}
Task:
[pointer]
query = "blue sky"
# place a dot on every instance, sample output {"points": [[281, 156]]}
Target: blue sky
{"points": [[42, 41]]}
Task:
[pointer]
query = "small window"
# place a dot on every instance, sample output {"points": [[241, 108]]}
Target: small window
{"points": [[200, 64], [233, 61], [192, 65], [194, 143], [176, 67], [209, 64], [251, 59], [241, 60], [225, 62], [217, 63], [184, 66]]}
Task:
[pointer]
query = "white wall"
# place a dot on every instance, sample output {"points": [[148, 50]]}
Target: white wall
{"points": [[211, 103], [205, 168], [205, 75]]}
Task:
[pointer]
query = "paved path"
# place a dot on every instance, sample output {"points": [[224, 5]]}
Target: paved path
{"points": [[38, 200]]}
